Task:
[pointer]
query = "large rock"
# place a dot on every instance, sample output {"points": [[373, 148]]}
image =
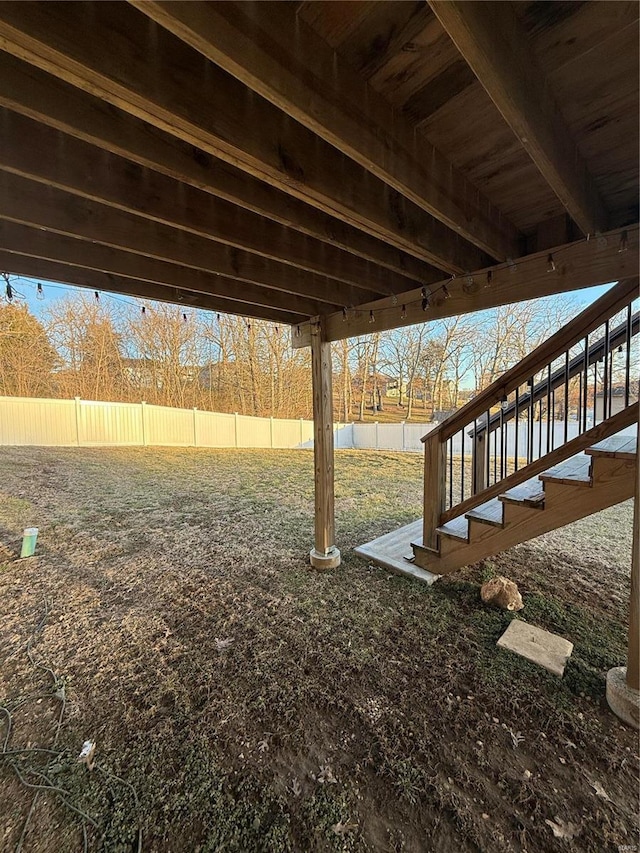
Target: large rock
{"points": [[501, 592]]}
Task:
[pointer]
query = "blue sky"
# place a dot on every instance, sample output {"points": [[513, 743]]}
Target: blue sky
{"points": [[53, 291]]}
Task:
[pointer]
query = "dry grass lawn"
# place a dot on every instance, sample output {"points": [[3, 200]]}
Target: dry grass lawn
{"points": [[241, 702]]}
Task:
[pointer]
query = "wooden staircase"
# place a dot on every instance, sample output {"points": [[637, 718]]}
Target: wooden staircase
{"points": [[583, 484], [507, 466]]}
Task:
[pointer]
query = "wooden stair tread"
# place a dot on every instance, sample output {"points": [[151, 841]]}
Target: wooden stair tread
{"points": [[574, 470], [393, 552], [490, 512], [457, 528], [530, 493], [617, 446]]}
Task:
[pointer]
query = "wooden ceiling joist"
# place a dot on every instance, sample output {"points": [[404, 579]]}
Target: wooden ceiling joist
{"points": [[83, 170], [59, 248], [27, 90], [584, 263], [148, 72], [33, 204], [100, 281], [493, 42], [276, 54]]}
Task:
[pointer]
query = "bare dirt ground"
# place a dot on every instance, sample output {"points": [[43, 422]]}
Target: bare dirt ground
{"points": [[240, 701]]}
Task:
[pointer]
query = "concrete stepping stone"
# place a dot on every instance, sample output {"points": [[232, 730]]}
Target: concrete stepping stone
{"points": [[537, 645]]}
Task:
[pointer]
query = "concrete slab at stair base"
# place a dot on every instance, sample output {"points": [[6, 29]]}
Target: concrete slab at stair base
{"points": [[389, 552], [537, 645], [623, 700]]}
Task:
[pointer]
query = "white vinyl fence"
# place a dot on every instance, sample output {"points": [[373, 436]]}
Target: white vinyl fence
{"points": [[86, 423]]}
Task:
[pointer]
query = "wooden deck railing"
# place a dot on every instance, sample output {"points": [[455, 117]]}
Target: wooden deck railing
{"points": [[566, 372]]}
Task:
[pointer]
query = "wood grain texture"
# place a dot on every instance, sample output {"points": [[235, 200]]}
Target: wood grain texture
{"points": [[31, 92], [492, 40], [579, 264], [563, 505], [153, 75], [59, 248], [633, 653], [29, 203], [277, 55], [323, 440], [434, 490]]}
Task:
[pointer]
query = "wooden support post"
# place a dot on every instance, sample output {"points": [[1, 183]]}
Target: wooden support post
{"points": [[324, 555], [434, 487], [633, 654]]}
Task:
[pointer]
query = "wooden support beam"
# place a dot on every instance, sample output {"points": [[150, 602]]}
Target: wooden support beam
{"points": [[277, 54], [31, 203], [31, 92], [584, 263], [100, 281], [492, 40], [35, 243], [40, 153], [633, 653], [151, 74], [324, 554]]}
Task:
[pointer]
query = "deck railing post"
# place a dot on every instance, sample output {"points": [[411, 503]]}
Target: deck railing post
{"points": [[324, 554], [479, 462], [434, 487]]}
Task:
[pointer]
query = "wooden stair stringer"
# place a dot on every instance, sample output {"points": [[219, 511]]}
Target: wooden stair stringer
{"points": [[612, 481]]}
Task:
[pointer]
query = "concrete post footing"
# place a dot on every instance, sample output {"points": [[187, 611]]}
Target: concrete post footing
{"points": [[330, 560], [623, 700]]}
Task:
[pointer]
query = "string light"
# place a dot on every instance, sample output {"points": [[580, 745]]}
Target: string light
{"points": [[425, 299], [489, 279], [344, 315], [96, 295], [551, 264], [624, 242], [504, 402], [184, 318], [218, 317], [445, 291], [297, 331], [9, 292], [144, 310], [372, 317], [39, 291], [403, 313]]}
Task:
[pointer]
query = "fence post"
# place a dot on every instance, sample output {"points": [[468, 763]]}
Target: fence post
{"points": [[77, 399], [301, 431], [376, 426], [271, 430], [195, 433], [404, 447], [143, 409], [235, 415]]}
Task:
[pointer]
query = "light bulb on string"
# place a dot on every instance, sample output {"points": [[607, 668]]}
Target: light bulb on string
{"points": [[39, 291], [445, 292], [372, 317], [344, 315], [489, 280], [624, 242], [184, 318], [551, 264], [504, 402], [144, 310], [96, 296], [403, 313], [9, 292], [425, 299]]}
